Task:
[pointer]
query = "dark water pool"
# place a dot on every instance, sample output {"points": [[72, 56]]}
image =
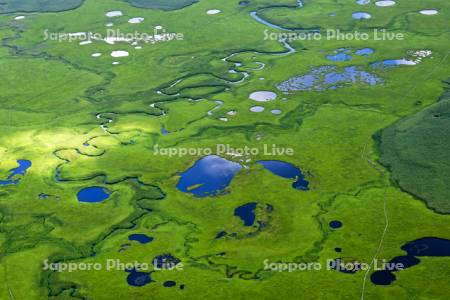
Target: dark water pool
{"points": [[93, 194], [247, 213], [138, 279], [141, 238], [335, 224], [424, 247], [286, 170], [21, 170], [165, 261], [221, 234], [169, 283]]}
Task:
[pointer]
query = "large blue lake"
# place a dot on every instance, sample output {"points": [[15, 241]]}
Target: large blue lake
{"points": [[209, 176]]}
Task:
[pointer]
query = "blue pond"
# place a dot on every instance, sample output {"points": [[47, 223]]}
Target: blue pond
{"points": [[247, 213], [386, 277], [382, 277], [209, 176], [169, 283], [392, 63], [329, 78], [361, 15], [21, 170], [364, 51], [93, 194], [341, 54], [138, 279], [428, 247], [141, 238], [164, 131], [286, 170], [339, 57], [344, 54], [335, 224]]}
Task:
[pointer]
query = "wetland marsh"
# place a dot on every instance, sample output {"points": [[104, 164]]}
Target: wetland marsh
{"points": [[365, 179]]}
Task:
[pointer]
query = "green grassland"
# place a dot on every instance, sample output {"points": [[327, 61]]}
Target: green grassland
{"points": [[55, 98]]}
